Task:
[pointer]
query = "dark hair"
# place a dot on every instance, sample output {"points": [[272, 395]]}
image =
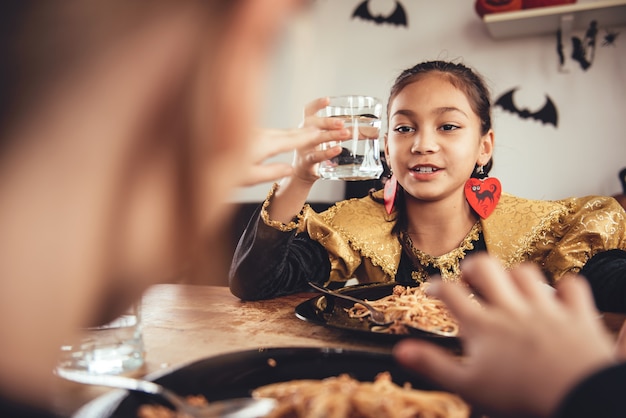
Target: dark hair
{"points": [[464, 79], [43, 43], [460, 76]]}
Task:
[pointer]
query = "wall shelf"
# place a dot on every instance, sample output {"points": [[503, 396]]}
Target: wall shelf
{"points": [[547, 20]]}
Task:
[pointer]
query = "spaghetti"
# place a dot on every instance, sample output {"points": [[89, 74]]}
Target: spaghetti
{"points": [[410, 306], [345, 397]]}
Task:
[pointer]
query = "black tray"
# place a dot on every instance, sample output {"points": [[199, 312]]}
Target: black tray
{"points": [[237, 374]]}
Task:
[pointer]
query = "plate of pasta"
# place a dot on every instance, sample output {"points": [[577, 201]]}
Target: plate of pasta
{"points": [[304, 380], [410, 311]]}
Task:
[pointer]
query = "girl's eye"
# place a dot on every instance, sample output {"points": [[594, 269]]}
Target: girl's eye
{"points": [[404, 129], [449, 127]]}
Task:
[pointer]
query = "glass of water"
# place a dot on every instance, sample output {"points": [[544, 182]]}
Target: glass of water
{"points": [[360, 155], [113, 348]]}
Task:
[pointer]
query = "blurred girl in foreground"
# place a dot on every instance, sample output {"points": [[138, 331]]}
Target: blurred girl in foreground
{"points": [[124, 127]]}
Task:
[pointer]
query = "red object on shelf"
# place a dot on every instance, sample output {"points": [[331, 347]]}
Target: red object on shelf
{"points": [[531, 4], [484, 7]]}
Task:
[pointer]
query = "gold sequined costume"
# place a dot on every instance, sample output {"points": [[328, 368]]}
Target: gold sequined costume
{"points": [[561, 235]]}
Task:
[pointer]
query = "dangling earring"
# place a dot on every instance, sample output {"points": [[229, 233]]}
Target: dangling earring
{"points": [[482, 192], [389, 194]]}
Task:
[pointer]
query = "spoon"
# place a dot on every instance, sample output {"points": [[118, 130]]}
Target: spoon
{"points": [[378, 317], [229, 408]]}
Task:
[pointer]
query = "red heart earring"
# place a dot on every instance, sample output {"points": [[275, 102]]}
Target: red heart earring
{"points": [[483, 194]]}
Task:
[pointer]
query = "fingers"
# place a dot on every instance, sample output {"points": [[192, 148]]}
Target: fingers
{"points": [[265, 173], [457, 299], [321, 137], [430, 361], [530, 282], [323, 123], [312, 120], [318, 156], [311, 108], [487, 276], [272, 142], [574, 291], [276, 141]]}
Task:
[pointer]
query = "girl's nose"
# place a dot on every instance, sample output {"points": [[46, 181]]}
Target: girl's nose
{"points": [[424, 143]]}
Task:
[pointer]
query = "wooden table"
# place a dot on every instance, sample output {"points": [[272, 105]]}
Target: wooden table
{"points": [[184, 323]]}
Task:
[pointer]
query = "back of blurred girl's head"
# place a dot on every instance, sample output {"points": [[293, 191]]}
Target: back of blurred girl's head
{"points": [[122, 127], [172, 142], [46, 43]]}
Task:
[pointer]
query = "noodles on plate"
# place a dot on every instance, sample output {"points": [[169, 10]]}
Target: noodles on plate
{"points": [[409, 306], [345, 397]]}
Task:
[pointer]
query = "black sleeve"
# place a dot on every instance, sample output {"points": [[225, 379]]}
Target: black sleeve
{"points": [[13, 409], [606, 272], [269, 263], [601, 395]]}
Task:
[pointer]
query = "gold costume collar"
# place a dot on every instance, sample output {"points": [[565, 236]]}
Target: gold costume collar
{"points": [[448, 264]]}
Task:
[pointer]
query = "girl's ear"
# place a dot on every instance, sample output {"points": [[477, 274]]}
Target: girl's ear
{"points": [[486, 147]]}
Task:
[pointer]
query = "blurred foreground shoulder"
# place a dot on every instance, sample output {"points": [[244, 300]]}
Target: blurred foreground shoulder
{"points": [[599, 395]]}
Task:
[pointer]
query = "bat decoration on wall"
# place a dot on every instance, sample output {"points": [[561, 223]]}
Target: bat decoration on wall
{"points": [[397, 17], [583, 49], [547, 114], [559, 48], [609, 38], [578, 53]]}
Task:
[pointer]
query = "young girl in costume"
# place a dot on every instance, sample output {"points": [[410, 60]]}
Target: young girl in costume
{"points": [[437, 207]]}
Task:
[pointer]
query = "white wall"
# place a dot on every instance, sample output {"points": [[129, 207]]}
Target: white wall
{"points": [[329, 53]]}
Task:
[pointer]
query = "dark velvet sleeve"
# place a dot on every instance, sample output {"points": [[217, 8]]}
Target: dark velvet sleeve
{"points": [[269, 263], [606, 272], [12, 409], [600, 395]]}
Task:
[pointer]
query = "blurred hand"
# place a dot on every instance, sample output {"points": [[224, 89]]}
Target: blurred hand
{"points": [[304, 141], [271, 142], [524, 348]]}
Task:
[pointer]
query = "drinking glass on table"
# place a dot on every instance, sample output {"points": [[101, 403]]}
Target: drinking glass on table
{"points": [[113, 348], [360, 155]]}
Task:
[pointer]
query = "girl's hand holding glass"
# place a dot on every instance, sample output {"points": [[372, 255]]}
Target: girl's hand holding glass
{"points": [[307, 158], [304, 140]]}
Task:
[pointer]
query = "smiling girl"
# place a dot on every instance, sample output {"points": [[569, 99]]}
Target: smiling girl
{"points": [[436, 208]]}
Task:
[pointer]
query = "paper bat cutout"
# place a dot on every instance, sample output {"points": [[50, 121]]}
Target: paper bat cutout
{"points": [[578, 53], [559, 47], [398, 17], [583, 50], [547, 114]]}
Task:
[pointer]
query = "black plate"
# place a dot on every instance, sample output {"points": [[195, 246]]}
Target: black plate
{"points": [[237, 374], [331, 312]]}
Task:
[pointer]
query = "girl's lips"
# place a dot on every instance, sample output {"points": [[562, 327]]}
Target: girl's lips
{"points": [[425, 169], [425, 172]]}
